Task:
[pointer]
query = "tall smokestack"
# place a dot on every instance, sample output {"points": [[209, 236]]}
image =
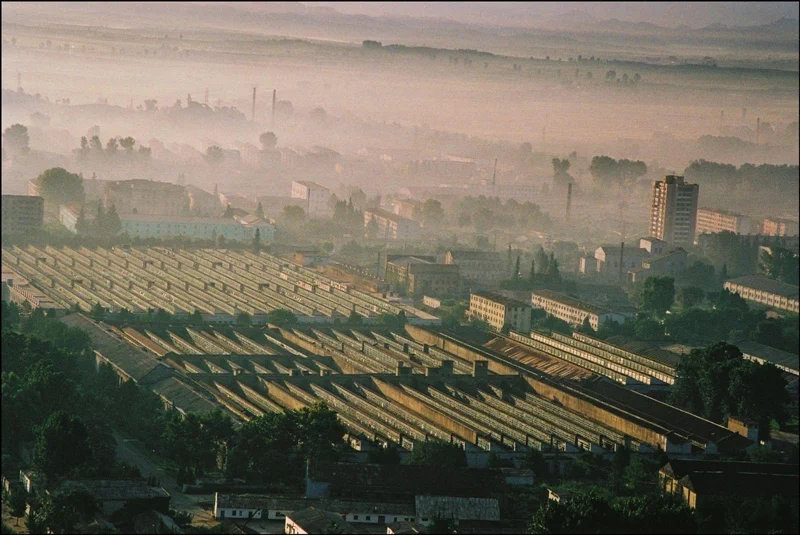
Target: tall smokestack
{"points": [[621, 258], [744, 114], [19, 80], [274, 96], [378, 268], [253, 112], [758, 128], [205, 100], [569, 199]]}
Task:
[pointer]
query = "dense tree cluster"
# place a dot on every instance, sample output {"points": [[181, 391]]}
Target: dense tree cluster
{"points": [[716, 382], [610, 172], [487, 213], [781, 264], [59, 186]]}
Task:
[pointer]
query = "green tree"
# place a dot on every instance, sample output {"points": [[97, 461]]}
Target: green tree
{"points": [[259, 213], [649, 329], [17, 503], [658, 295], [62, 444], [127, 143], [689, 296], [214, 155], [244, 319], [380, 455], [257, 242], [60, 512], [282, 318], [437, 453], [781, 264], [716, 382], [196, 317], [59, 186], [82, 226], [268, 140], [112, 147], [293, 214], [16, 139], [113, 225]]}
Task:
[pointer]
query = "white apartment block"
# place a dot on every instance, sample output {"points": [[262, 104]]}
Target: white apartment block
{"points": [[713, 221], [572, 310], [392, 226], [498, 310]]}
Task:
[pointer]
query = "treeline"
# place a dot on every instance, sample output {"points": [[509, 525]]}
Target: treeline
{"points": [[488, 213], [92, 149]]}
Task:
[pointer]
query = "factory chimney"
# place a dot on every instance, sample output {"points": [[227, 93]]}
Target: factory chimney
{"points": [[569, 199], [274, 96], [253, 112], [621, 258], [758, 128]]}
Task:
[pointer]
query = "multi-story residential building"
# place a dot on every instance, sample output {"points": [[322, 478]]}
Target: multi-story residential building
{"points": [[498, 311], [779, 227], [485, 267], [391, 226], [201, 228], [673, 212], [422, 275], [22, 213], [670, 263], [316, 196], [714, 220], [572, 310], [146, 197], [764, 291]]}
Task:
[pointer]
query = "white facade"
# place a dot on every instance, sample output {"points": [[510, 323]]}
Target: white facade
{"points": [[316, 197], [392, 226], [573, 311], [498, 310]]}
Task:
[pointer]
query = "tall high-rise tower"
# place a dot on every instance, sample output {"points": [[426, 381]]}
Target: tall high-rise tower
{"points": [[673, 213]]}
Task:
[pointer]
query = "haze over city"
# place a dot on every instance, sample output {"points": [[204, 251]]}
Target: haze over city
{"points": [[443, 267]]}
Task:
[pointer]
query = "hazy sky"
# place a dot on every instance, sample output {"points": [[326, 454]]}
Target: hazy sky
{"points": [[693, 14]]}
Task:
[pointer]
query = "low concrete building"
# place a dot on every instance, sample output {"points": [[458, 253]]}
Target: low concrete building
{"points": [[21, 214], [267, 507], [609, 257], [113, 495], [764, 291], [485, 267], [391, 226], [146, 197], [311, 257], [199, 228], [422, 275], [572, 310], [498, 311], [670, 263], [312, 520], [784, 361], [696, 480]]}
